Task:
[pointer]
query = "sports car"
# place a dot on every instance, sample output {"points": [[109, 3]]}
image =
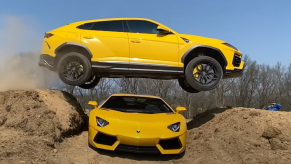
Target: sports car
{"points": [[83, 52], [137, 123]]}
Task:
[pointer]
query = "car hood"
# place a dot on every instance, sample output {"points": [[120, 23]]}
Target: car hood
{"points": [[201, 39], [137, 120]]}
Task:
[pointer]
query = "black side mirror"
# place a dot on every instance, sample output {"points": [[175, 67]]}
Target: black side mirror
{"points": [[163, 30]]}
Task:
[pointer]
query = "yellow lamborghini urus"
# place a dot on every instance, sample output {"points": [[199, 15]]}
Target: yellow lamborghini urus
{"points": [[83, 52], [137, 123]]}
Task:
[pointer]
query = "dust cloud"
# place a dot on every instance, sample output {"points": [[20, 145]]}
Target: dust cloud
{"points": [[20, 46]]}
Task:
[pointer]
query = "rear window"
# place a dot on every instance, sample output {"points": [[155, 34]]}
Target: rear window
{"points": [[115, 26], [85, 26], [131, 104]]}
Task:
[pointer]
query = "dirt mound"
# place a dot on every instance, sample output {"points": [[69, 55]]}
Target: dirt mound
{"points": [[218, 136], [240, 135], [33, 122]]}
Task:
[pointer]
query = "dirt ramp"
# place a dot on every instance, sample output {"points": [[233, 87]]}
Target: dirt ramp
{"points": [[240, 135], [33, 124], [34, 121]]}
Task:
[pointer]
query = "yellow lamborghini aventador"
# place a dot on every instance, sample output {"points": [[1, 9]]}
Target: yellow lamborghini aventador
{"points": [[137, 123]]}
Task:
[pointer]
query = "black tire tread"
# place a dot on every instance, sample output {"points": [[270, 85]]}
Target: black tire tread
{"points": [[186, 87], [91, 85], [193, 83]]}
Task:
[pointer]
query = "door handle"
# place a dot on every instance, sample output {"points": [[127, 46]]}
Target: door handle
{"points": [[88, 37], [136, 41]]}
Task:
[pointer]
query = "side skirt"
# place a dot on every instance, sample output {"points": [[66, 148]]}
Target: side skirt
{"points": [[136, 70]]}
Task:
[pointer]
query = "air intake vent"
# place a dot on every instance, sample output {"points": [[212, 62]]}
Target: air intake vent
{"points": [[236, 60], [186, 40]]}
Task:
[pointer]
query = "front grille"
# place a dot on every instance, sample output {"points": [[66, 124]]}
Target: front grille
{"points": [[236, 60], [138, 149], [104, 139], [174, 143]]}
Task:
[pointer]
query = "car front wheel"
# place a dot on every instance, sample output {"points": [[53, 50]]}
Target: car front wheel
{"points": [[203, 73]]}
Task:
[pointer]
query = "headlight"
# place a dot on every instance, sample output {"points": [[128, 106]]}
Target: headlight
{"points": [[101, 122], [229, 45], [175, 127]]}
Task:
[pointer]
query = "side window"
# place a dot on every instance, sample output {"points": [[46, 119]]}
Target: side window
{"points": [[140, 26], [85, 26], [108, 26]]}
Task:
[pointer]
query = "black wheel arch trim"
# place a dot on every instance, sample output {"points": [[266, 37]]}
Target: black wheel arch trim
{"points": [[205, 46], [73, 44]]}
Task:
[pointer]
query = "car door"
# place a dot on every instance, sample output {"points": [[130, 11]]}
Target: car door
{"points": [[149, 48], [108, 43]]}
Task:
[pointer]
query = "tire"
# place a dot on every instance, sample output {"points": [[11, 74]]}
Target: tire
{"points": [[198, 84], [91, 83], [83, 62], [186, 87]]}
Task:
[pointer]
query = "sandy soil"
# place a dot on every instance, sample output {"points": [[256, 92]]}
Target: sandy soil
{"points": [[33, 122], [43, 126]]}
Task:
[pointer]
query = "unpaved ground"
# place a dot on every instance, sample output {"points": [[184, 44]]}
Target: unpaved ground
{"points": [[32, 122], [35, 126]]}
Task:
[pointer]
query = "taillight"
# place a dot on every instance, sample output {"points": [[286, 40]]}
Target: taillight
{"points": [[48, 35]]}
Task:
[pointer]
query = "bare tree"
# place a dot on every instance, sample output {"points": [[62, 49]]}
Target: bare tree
{"points": [[259, 84]]}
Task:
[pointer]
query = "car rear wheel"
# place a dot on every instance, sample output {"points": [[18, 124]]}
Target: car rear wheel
{"points": [[186, 87], [74, 69], [91, 83], [203, 73]]}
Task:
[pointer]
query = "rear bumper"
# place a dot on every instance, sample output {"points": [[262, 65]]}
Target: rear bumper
{"points": [[47, 61], [156, 145]]}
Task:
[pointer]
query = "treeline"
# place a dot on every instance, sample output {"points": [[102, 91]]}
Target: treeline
{"points": [[260, 84]]}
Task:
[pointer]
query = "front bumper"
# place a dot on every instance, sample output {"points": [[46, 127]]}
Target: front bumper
{"points": [[238, 68], [47, 61], [233, 73], [155, 145]]}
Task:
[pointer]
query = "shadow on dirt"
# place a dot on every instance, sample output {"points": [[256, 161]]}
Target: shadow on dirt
{"points": [[203, 118], [73, 102], [139, 157]]}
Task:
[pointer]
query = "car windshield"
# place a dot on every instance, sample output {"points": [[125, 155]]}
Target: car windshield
{"points": [[131, 104]]}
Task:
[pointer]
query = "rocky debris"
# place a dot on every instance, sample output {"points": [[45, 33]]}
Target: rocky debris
{"points": [[271, 132], [276, 138], [240, 135]]}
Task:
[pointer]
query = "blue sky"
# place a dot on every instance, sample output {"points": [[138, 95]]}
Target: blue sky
{"points": [[259, 28]]}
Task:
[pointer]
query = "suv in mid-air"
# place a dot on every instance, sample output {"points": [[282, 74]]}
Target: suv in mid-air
{"points": [[83, 52]]}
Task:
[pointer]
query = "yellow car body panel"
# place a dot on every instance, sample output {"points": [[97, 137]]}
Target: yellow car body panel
{"points": [[214, 43], [136, 129], [106, 45], [147, 49]]}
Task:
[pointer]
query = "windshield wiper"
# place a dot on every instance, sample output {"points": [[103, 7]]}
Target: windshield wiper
{"points": [[116, 109], [148, 112]]}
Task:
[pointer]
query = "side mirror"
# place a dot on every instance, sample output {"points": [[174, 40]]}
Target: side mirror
{"points": [[93, 103], [163, 30], [180, 109]]}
